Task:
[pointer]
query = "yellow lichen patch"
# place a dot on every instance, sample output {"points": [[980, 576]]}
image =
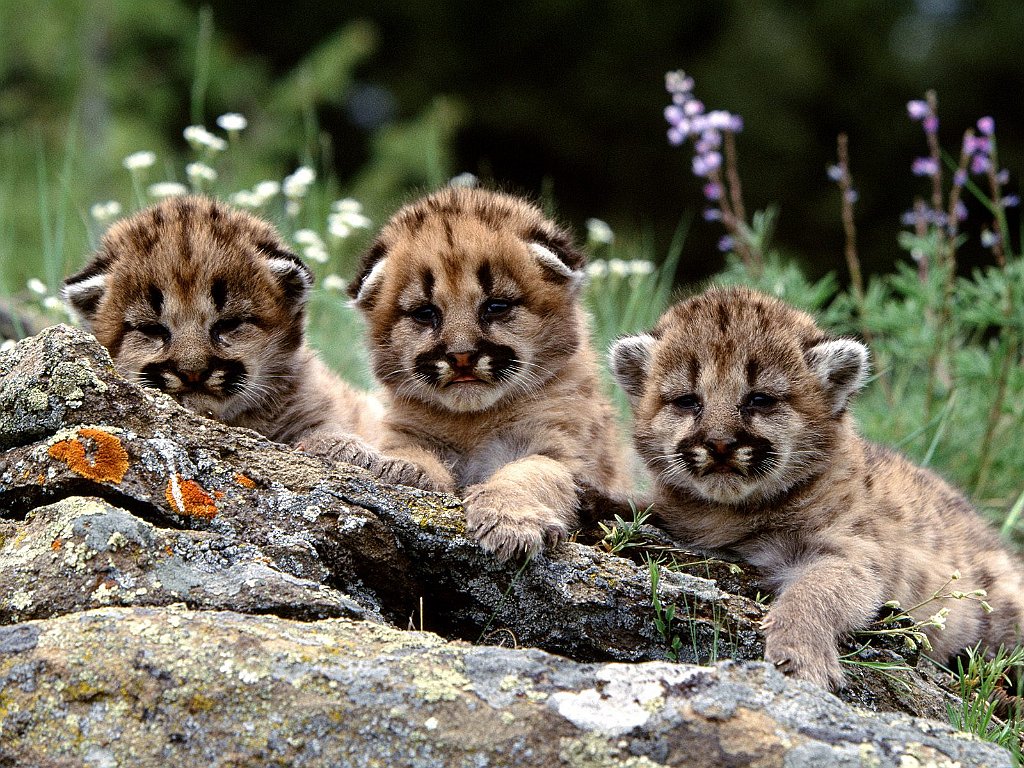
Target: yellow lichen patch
{"points": [[109, 460], [40, 478], [189, 498], [244, 481]]}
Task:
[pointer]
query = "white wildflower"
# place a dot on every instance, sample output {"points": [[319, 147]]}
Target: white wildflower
{"points": [[939, 619], [104, 212], [985, 606], [599, 232], [200, 138], [307, 237], [316, 253], [597, 269], [335, 282], [346, 217], [245, 199], [265, 190], [37, 286], [200, 172], [299, 182], [292, 208], [52, 303], [347, 205], [641, 267], [232, 122], [167, 189], [337, 228], [465, 179], [139, 160], [618, 267]]}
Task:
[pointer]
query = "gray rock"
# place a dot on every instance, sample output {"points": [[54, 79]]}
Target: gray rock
{"points": [[166, 686], [122, 513]]}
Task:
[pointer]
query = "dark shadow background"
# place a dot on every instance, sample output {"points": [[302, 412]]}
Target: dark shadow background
{"points": [[566, 97]]}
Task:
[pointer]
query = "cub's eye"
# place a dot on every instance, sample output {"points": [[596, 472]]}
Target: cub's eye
{"points": [[492, 309], [428, 314], [687, 403], [760, 401], [226, 325], [154, 331]]}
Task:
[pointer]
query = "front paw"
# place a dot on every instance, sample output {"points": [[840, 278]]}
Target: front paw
{"points": [[354, 451], [814, 659], [507, 527]]}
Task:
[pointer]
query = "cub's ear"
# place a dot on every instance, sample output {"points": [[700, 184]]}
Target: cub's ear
{"points": [[842, 367], [84, 291], [363, 289], [555, 251], [630, 363], [294, 277]]}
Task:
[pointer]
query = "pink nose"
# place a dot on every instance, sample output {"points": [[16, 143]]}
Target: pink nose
{"points": [[462, 359]]}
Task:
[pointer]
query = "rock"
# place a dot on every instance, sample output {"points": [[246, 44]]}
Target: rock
{"points": [[169, 686], [120, 510]]}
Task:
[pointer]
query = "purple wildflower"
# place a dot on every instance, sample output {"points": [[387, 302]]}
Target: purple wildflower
{"points": [[931, 124], [835, 172], [852, 195], [961, 211], [918, 109], [713, 191], [925, 166], [726, 244], [980, 164], [960, 177], [712, 214], [986, 126], [1003, 177], [989, 238], [1011, 201]]}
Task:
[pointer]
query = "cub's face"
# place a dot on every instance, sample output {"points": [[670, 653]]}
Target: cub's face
{"points": [[736, 396], [198, 300], [470, 297]]}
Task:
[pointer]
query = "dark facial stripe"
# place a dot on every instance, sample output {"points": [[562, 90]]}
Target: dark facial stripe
{"points": [[694, 365], [723, 318], [219, 293], [485, 278], [156, 298], [428, 284], [448, 234], [753, 368]]}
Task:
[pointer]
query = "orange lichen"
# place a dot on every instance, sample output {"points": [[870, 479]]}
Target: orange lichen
{"points": [[245, 482], [188, 498], [218, 495], [109, 460], [56, 544], [40, 478]]}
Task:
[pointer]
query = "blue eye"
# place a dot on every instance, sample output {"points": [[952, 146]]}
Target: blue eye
{"points": [[428, 314], [761, 401], [492, 309], [687, 403]]}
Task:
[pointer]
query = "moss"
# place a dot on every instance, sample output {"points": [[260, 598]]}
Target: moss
{"points": [[428, 513], [593, 750]]}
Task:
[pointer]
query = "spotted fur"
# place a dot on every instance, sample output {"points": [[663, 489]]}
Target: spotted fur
{"points": [[741, 410], [206, 303], [477, 336]]}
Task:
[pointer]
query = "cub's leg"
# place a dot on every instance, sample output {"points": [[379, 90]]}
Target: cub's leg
{"points": [[415, 470], [525, 505], [827, 597]]}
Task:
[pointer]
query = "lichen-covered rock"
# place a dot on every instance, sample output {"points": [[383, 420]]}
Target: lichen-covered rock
{"points": [[113, 495], [167, 686]]}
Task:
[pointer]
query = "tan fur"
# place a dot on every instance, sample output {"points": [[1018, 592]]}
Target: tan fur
{"points": [[207, 304], [477, 335], [740, 411]]}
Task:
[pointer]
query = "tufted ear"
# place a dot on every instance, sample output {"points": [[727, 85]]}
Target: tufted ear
{"points": [[630, 362], [363, 289], [842, 367], [550, 261], [84, 291], [295, 278]]}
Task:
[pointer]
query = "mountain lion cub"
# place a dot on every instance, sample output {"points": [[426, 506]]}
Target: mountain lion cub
{"points": [[205, 302], [476, 333], [740, 405]]}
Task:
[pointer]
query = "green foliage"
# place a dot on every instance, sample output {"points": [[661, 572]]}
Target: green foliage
{"points": [[623, 535], [984, 707], [663, 615]]}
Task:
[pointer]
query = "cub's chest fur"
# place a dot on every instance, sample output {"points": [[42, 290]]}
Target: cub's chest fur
{"points": [[741, 411], [476, 334]]}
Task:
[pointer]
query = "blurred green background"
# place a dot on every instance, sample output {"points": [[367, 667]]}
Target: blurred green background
{"points": [[556, 97]]}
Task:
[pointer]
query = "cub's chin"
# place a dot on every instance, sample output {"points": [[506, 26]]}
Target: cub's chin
{"points": [[467, 396]]}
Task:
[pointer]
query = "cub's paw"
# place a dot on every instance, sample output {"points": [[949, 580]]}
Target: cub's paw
{"points": [[814, 659], [352, 450], [506, 528]]}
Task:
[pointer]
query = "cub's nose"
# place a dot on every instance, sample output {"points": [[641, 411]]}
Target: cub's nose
{"points": [[462, 359], [720, 447], [193, 377]]}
